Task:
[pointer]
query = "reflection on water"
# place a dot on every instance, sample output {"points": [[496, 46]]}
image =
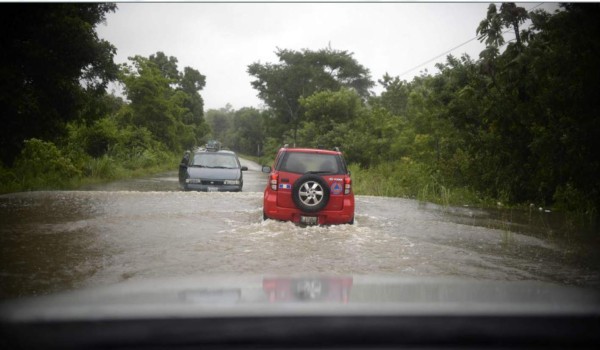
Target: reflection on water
{"points": [[45, 243], [51, 241], [313, 289], [532, 221]]}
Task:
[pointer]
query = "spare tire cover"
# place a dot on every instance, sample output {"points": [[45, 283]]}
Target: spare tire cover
{"points": [[310, 193]]}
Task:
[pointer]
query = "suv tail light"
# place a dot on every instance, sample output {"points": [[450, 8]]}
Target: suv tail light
{"points": [[273, 181], [347, 185]]}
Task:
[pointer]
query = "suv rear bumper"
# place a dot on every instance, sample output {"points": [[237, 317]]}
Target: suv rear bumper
{"points": [[325, 217]]}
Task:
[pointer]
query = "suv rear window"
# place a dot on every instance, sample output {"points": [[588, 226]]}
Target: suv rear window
{"points": [[297, 162]]}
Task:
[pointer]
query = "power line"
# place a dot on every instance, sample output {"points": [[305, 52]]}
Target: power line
{"points": [[458, 46], [436, 57]]}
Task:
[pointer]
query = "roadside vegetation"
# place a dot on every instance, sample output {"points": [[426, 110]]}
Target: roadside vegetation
{"points": [[517, 125], [63, 129], [514, 127]]}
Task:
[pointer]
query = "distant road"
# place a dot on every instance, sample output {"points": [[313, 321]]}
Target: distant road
{"points": [[254, 181]]}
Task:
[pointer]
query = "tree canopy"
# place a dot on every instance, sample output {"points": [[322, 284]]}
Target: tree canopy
{"points": [[302, 73], [52, 62], [164, 100]]}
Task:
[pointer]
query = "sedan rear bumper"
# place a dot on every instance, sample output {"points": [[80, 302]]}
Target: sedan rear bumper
{"points": [[213, 188]]}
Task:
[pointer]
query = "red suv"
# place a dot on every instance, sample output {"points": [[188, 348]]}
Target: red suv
{"points": [[309, 186]]}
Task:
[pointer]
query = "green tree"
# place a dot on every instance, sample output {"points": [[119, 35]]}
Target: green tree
{"points": [[191, 82], [529, 123], [300, 74], [167, 65], [221, 123], [52, 62], [324, 113], [149, 92], [395, 95], [248, 131], [165, 101], [563, 77]]}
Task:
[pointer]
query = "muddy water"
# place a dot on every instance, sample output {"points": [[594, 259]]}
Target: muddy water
{"points": [[54, 241]]}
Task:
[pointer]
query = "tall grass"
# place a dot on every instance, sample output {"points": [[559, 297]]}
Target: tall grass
{"points": [[42, 166], [410, 179], [103, 168]]}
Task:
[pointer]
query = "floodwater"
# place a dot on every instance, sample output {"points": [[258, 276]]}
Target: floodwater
{"points": [[147, 228]]}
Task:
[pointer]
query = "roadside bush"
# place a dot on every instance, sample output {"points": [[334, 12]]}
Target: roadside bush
{"points": [[149, 158], [135, 147], [96, 139], [8, 180], [269, 151], [42, 165], [579, 205], [403, 178], [102, 168]]}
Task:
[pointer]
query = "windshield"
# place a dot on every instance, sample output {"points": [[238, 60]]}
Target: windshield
{"points": [[468, 131], [215, 160]]}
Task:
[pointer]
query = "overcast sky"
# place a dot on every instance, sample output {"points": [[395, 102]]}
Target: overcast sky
{"points": [[221, 39]]}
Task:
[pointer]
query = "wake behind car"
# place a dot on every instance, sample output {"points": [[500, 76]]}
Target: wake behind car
{"points": [[309, 186], [211, 170]]}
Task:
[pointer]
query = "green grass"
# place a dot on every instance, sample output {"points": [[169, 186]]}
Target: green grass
{"points": [[409, 179], [95, 171]]}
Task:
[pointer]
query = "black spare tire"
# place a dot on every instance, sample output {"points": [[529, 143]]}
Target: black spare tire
{"points": [[310, 193]]}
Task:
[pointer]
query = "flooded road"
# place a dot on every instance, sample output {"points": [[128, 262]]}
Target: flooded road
{"points": [[148, 228]]}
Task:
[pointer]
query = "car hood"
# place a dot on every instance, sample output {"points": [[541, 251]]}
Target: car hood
{"points": [[213, 173], [304, 295]]}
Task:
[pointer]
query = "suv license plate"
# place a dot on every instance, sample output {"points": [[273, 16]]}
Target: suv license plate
{"points": [[213, 189], [309, 220]]}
